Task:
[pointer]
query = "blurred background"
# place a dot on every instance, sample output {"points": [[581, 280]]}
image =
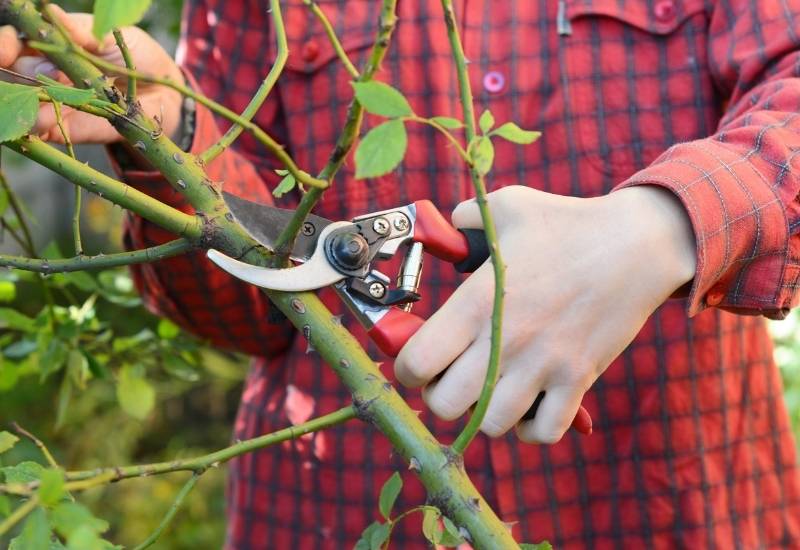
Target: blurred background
{"points": [[185, 394]]}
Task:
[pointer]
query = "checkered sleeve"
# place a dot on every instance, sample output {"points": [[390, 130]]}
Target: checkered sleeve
{"points": [[740, 186], [189, 289]]}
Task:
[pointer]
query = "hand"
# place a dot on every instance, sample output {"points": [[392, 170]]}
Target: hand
{"points": [[148, 57], [582, 277]]}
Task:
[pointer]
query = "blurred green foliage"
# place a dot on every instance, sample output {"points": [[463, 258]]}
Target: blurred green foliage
{"points": [[787, 355]]}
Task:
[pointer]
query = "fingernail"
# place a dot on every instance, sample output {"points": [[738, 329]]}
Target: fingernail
{"points": [[45, 68]]}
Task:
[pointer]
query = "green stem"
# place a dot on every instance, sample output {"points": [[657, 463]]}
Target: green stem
{"points": [[38, 442], [355, 113], [263, 91], [337, 45], [104, 186], [442, 130], [128, 58], [76, 216], [185, 490], [268, 141], [18, 515], [86, 263], [467, 106], [211, 460]]}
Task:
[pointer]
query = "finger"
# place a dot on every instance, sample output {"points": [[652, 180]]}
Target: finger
{"points": [[554, 416], [78, 26], [10, 45], [80, 127], [30, 66], [467, 215], [512, 398], [461, 384], [448, 332]]}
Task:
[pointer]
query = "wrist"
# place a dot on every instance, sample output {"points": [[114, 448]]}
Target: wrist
{"points": [[662, 234]]}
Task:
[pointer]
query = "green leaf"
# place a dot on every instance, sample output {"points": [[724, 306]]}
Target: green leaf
{"points": [[381, 99], [14, 320], [430, 525], [135, 394], [481, 152], [53, 358], [19, 107], [24, 472], [20, 349], [286, 184], [513, 133], [68, 516], [78, 368], [7, 440], [381, 150], [9, 374], [450, 536], [97, 368], [389, 492], [178, 367], [167, 330], [112, 14], [373, 537], [80, 279], [448, 122], [74, 97], [544, 545], [5, 506], [35, 535], [8, 291], [51, 489], [486, 122]]}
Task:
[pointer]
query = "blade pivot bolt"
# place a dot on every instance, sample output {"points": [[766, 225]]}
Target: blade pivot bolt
{"points": [[381, 226], [377, 290]]}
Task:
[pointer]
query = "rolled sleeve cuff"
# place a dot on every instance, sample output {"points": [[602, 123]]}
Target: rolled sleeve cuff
{"points": [[740, 228]]}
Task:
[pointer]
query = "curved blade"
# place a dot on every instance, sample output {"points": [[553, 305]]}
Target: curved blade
{"points": [[264, 223], [315, 273]]}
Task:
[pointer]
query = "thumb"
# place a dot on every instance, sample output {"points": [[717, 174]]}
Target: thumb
{"points": [[467, 215], [78, 26]]}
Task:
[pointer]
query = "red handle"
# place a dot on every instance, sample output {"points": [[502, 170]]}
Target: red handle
{"points": [[437, 235], [397, 327]]}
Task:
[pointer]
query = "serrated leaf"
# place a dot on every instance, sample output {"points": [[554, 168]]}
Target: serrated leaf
{"points": [[389, 492], [35, 535], [74, 97], [381, 99], [8, 291], [135, 394], [19, 107], [381, 150], [7, 440], [51, 488], [481, 153], [24, 472], [448, 122], [513, 133], [544, 545], [112, 14], [430, 525], [167, 330], [286, 184], [486, 122], [67, 516]]}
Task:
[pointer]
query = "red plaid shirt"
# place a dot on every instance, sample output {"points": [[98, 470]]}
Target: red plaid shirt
{"points": [[692, 447]]}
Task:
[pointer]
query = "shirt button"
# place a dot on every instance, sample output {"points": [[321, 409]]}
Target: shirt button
{"points": [[310, 51], [665, 10], [715, 296], [494, 82]]}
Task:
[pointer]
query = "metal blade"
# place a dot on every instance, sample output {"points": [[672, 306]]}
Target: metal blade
{"points": [[316, 273], [264, 223]]}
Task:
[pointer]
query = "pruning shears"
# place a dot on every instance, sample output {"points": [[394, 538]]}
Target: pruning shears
{"points": [[342, 254]]}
